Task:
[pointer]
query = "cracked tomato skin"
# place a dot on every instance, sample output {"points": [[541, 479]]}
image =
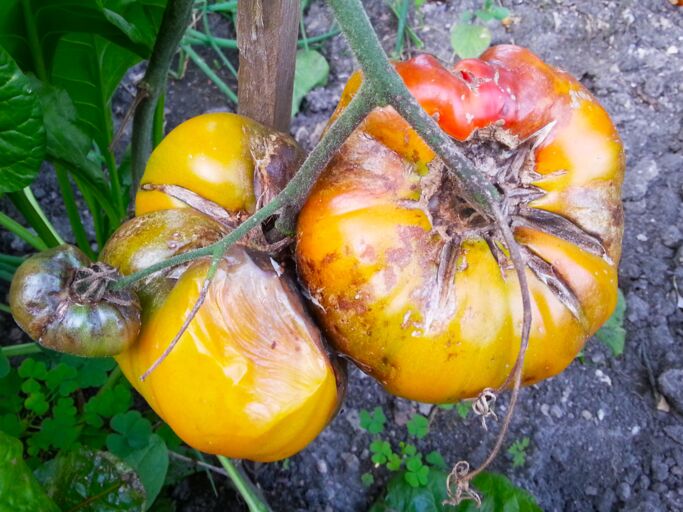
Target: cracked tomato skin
{"points": [[250, 377], [437, 318], [229, 159]]}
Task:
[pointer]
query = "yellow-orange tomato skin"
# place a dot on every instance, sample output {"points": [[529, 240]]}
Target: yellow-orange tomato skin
{"points": [[208, 153], [369, 252], [219, 156], [250, 378]]}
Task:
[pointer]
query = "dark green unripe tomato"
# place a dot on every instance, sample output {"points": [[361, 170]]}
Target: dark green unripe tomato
{"points": [[63, 301]]}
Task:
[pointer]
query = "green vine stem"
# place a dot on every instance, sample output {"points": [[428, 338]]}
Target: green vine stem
{"points": [[24, 349], [244, 486], [173, 25]]}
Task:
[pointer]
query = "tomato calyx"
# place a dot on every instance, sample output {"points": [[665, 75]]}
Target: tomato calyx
{"points": [[92, 284]]}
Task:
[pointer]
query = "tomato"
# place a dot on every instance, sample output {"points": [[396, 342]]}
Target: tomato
{"points": [[413, 283], [250, 377], [226, 158], [60, 299]]}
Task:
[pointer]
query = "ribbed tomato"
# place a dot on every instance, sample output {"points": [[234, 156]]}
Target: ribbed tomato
{"points": [[413, 283]]}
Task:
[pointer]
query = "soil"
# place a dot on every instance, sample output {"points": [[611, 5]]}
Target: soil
{"points": [[607, 434]]}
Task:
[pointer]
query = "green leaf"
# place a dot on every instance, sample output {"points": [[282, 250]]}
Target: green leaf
{"points": [[67, 142], [10, 392], [517, 452], [90, 68], [613, 333], [109, 483], [381, 451], [50, 20], [133, 434], [92, 372], [36, 402], [469, 41], [173, 442], [19, 490], [394, 462], [151, 465], [110, 402], [32, 368], [408, 494], [373, 422], [4, 365], [22, 136], [61, 431], [493, 12], [418, 426], [63, 379], [312, 70], [436, 460], [11, 424], [367, 479]]}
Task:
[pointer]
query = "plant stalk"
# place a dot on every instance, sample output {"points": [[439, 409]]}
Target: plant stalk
{"points": [[244, 486], [25, 349], [173, 25]]}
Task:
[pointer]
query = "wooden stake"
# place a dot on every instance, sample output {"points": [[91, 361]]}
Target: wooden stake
{"points": [[267, 32]]}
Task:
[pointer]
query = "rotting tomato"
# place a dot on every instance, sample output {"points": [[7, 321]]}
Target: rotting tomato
{"points": [[226, 158], [62, 301], [413, 283], [250, 377]]}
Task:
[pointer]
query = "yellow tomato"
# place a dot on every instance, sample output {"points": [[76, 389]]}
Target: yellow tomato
{"points": [[413, 284], [250, 377], [227, 158]]}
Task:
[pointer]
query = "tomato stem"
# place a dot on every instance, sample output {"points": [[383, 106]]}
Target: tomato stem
{"points": [[245, 487], [23, 349]]}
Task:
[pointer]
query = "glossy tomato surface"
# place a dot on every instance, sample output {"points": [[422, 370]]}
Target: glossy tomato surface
{"points": [[415, 285], [250, 377], [226, 158]]}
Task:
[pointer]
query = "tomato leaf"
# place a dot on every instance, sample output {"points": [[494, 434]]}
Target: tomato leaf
{"points": [[22, 136], [613, 333], [469, 41], [312, 70], [109, 483], [151, 465], [19, 490]]}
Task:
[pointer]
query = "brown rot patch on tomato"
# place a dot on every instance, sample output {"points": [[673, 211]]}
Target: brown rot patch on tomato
{"points": [[276, 158]]}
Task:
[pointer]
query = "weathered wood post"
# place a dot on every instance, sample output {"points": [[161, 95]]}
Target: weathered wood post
{"points": [[267, 32]]}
